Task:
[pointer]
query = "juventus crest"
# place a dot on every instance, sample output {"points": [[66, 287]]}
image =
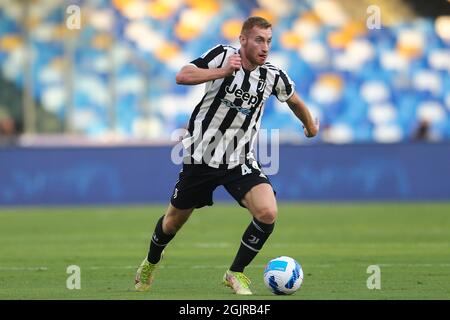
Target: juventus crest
{"points": [[261, 85]]}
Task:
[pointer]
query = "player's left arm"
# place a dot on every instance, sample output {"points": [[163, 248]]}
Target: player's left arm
{"points": [[301, 111]]}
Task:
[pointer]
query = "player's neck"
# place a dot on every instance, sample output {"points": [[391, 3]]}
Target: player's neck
{"points": [[246, 64]]}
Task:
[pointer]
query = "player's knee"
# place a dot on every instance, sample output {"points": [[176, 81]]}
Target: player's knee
{"points": [[267, 215], [172, 224], [174, 219]]}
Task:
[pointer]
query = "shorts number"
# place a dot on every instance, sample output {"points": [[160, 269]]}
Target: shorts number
{"points": [[245, 169], [255, 165]]}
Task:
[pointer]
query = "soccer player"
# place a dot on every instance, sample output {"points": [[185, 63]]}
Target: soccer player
{"points": [[219, 144]]}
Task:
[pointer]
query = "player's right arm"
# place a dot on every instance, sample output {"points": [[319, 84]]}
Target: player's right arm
{"points": [[210, 66], [191, 74]]}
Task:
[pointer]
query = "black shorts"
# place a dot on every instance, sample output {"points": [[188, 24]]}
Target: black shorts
{"points": [[197, 182]]}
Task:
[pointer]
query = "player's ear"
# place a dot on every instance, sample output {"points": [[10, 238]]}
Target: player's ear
{"points": [[242, 39]]}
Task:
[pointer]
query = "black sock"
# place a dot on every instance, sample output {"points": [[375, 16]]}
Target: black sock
{"points": [[252, 241], [158, 242]]}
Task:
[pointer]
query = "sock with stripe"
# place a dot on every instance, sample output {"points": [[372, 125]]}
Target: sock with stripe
{"points": [[252, 241], [158, 242]]}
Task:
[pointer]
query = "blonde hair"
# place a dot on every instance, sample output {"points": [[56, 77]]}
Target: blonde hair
{"points": [[255, 21]]}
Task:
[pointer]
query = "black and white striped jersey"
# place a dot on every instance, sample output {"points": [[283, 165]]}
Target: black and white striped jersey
{"points": [[224, 125]]}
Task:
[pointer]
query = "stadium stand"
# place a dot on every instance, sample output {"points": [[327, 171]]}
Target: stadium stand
{"points": [[366, 85]]}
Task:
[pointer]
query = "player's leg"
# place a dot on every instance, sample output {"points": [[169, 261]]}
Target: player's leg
{"points": [[252, 190], [261, 203], [193, 189], [165, 230]]}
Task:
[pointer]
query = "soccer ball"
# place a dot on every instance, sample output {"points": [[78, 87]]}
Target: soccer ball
{"points": [[283, 275]]}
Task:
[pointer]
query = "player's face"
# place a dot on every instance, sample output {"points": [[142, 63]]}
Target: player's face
{"points": [[256, 44]]}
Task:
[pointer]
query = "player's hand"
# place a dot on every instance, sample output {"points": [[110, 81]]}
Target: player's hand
{"points": [[233, 64], [312, 131]]}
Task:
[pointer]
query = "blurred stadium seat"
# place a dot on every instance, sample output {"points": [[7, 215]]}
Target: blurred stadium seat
{"points": [[366, 85]]}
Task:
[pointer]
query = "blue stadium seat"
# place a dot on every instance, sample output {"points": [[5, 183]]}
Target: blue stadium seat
{"points": [[91, 64]]}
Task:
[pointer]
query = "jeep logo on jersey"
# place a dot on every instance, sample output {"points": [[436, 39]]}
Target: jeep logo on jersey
{"points": [[245, 96]]}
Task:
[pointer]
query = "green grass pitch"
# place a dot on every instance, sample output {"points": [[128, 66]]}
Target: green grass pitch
{"points": [[334, 242]]}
